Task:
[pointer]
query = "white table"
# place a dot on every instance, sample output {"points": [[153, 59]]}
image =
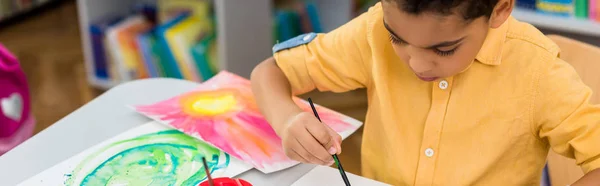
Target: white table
{"points": [[103, 118]]}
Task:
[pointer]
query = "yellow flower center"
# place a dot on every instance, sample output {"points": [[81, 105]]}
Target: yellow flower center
{"points": [[210, 103], [214, 105]]}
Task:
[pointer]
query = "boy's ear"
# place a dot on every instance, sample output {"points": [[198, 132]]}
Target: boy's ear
{"points": [[501, 12]]}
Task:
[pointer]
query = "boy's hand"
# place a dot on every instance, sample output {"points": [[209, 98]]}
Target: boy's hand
{"points": [[307, 140]]}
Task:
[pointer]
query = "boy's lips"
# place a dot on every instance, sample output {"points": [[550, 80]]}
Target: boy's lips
{"points": [[427, 78]]}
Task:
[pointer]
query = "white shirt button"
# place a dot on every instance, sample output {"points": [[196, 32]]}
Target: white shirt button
{"points": [[429, 152], [306, 38], [443, 84]]}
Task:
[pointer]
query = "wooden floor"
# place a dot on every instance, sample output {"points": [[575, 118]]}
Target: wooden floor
{"points": [[48, 46]]}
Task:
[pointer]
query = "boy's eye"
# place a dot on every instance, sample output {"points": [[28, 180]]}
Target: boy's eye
{"points": [[445, 52], [396, 41]]}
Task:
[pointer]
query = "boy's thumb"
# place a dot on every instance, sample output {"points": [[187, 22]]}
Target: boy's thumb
{"points": [[336, 140]]}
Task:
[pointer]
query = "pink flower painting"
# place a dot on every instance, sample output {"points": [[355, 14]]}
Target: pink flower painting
{"points": [[222, 111]]}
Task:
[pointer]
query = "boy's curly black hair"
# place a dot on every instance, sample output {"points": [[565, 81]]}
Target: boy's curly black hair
{"points": [[470, 9]]}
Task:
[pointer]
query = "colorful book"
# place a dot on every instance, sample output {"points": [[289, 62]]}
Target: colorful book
{"points": [[594, 10], [527, 4], [288, 23], [97, 34], [122, 71], [305, 22], [182, 37], [169, 9], [167, 58], [204, 54], [283, 30], [124, 49], [157, 52], [145, 42], [129, 46], [581, 9], [178, 49], [113, 70], [555, 7], [213, 61], [311, 10]]}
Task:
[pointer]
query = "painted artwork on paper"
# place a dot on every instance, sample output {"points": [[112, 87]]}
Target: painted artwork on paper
{"points": [[222, 111], [152, 154]]}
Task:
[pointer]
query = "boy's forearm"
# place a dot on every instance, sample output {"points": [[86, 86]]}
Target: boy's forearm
{"points": [[273, 94], [591, 178]]}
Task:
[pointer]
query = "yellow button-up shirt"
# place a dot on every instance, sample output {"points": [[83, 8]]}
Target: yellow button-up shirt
{"points": [[492, 124]]}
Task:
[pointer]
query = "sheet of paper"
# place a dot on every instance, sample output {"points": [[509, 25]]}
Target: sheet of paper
{"points": [[322, 175], [152, 154], [222, 111]]}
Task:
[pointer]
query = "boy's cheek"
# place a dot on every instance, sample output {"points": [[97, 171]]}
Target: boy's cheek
{"points": [[401, 53]]}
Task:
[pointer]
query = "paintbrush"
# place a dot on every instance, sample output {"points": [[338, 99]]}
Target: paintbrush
{"points": [[210, 180], [335, 157]]}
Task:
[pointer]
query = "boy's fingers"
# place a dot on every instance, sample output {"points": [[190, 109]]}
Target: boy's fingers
{"points": [[296, 156], [308, 155], [313, 148], [336, 141], [321, 133], [290, 152], [296, 148]]}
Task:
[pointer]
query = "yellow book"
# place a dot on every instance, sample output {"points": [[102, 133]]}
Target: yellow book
{"points": [[167, 9], [122, 48], [213, 57], [182, 37], [127, 40]]}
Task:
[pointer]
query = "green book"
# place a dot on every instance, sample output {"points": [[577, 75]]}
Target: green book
{"points": [[581, 9], [203, 53]]}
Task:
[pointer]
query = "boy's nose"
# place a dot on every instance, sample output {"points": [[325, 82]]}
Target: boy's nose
{"points": [[420, 66]]}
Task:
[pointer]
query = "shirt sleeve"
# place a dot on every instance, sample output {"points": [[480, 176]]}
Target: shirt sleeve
{"points": [[336, 61], [566, 119]]}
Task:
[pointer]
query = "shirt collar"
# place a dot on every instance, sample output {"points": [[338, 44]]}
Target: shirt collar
{"points": [[491, 51]]}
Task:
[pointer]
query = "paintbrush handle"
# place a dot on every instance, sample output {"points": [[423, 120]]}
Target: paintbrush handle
{"points": [[208, 177], [341, 169], [337, 161]]}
